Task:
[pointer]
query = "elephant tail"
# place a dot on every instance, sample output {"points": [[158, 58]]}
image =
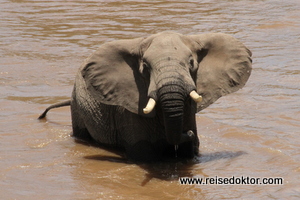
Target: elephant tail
{"points": [[57, 105]]}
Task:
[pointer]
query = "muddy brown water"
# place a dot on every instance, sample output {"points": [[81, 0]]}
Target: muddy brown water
{"points": [[254, 132]]}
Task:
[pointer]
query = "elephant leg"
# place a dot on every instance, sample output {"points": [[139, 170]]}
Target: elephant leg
{"points": [[141, 151], [138, 135]]}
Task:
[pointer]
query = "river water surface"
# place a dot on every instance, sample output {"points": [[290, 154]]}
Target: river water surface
{"points": [[253, 132]]}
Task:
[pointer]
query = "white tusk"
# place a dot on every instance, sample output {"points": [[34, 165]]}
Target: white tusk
{"points": [[195, 96], [150, 105]]}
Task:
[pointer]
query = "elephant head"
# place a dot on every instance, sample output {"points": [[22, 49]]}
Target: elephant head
{"points": [[167, 70]]}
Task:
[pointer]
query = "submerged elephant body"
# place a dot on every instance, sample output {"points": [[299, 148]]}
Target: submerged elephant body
{"points": [[142, 137], [110, 100]]}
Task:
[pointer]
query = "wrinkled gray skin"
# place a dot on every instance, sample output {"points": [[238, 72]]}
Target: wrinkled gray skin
{"points": [[115, 83]]}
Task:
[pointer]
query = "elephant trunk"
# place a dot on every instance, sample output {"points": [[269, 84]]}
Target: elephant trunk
{"points": [[172, 97]]}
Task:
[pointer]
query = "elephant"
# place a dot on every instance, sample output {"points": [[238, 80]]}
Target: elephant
{"points": [[141, 95]]}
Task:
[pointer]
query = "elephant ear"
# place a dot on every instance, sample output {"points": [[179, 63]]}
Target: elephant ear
{"points": [[112, 75], [224, 66]]}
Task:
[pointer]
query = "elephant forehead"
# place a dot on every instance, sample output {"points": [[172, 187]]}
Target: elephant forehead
{"points": [[168, 60], [167, 41], [164, 47]]}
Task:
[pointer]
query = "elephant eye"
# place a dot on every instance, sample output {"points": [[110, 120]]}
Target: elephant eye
{"points": [[145, 65], [192, 63], [144, 68]]}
